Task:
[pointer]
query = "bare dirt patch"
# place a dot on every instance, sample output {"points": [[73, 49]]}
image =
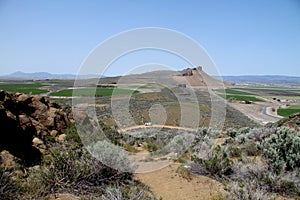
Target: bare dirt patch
{"points": [[168, 184]]}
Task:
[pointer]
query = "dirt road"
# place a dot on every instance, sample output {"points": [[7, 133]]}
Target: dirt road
{"points": [[154, 126], [255, 111]]}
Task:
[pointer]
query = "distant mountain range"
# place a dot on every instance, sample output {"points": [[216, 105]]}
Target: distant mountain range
{"points": [[243, 79], [264, 80], [44, 75]]}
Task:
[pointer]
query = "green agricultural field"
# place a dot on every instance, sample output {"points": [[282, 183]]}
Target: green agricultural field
{"points": [[152, 85], [238, 92], [288, 111], [27, 88], [272, 91], [242, 98], [295, 107], [263, 88], [88, 91]]}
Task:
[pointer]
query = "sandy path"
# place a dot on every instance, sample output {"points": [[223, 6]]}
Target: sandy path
{"points": [[169, 185], [154, 126]]}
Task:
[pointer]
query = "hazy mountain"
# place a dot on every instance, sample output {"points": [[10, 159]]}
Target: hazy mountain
{"points": [[43, 75], [264, 79]]}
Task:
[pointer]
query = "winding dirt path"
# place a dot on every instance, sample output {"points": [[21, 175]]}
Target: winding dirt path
{"points": [[154, 126]]}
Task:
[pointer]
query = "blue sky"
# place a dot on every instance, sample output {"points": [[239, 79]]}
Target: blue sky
{"points": [[242, 37]]}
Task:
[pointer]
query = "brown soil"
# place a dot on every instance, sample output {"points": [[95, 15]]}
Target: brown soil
{"points": [[168, 184]]}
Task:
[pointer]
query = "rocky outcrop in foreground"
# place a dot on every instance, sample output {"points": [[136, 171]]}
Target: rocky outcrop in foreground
{"points": [[293, 121], [27, 123]]}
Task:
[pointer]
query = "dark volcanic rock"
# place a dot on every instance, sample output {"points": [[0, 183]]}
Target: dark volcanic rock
{"points": [[25, 121], [187, 72]]}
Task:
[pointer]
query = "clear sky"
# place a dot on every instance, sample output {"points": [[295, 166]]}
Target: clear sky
{"points": [[241, 36]]}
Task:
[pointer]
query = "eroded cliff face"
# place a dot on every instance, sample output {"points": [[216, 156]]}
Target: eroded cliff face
{"points": [[27, 123]]}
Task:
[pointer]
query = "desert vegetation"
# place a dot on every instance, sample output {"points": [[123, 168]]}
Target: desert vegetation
{"points": [[259, 163], [69, 168]]}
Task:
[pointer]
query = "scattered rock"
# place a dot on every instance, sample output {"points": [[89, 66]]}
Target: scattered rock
{"points": [[9, 161], [37, 141], [53, 133], [61, 137]]}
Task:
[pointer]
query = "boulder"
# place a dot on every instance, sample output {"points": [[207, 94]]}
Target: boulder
{"points": [[27, 122]]}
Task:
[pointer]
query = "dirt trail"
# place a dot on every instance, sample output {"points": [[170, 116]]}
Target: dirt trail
{"points": [[154, 126], [169, 185]]}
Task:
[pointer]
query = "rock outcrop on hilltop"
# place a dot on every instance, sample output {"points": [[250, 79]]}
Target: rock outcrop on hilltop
{"points": [[196, 77], [189, 71], [28, 122]]}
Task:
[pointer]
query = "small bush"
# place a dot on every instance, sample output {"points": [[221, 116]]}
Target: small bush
{"points": [[134, 192], [281, 150], [250, 149], [216, 163], [231, 133], [258, 134], [184, 172], [8, 187], [260, 177], [72, 135], [151, 147], [234, 151], [243, 130], [71, 170], [130, 148], [246, 191]]}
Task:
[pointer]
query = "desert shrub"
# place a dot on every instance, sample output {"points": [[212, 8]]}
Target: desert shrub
{"points": [[214, 133], [250, 149], [134, 192], [231, 132], [72, 135], [70, 170], [151, 147], [234, 151], [243, 130], [178, 145], [260, 177], [237, 136], [293, 176], [184, 157], [241, 139], [216, 163], [246, 191], [9, 188], [258, 134], [130, 148], [203, 131], [184, 172], [281, 149], [112, 156], [229, 140], [202, 146]]}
